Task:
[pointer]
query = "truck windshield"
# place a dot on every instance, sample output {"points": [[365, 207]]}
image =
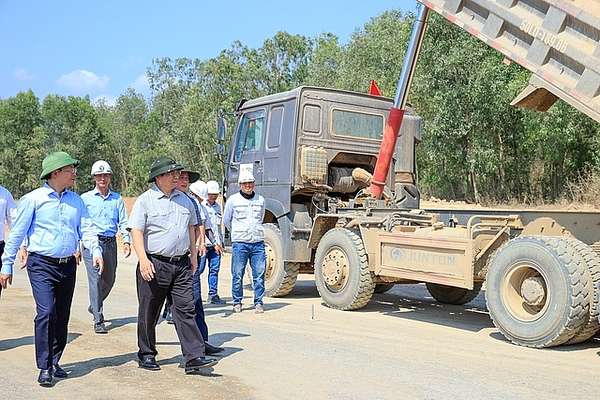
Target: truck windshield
{"points": [[251, 132], [357, 124]]}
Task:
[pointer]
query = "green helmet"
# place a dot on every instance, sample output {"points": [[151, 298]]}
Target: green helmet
{"points": [[56, 160], [163, 165]]}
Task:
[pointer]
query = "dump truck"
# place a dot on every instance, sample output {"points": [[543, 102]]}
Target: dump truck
{"points": [[337, 170]]}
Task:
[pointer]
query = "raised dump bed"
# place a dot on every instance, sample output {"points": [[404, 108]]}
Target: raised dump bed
{"points": [[558, 41]]}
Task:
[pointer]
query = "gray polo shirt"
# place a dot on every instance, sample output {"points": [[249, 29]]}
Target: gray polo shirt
{"points": [[164, 220]]}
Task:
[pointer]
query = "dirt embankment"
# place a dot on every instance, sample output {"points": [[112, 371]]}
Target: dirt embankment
{"points": [[452, 204]]}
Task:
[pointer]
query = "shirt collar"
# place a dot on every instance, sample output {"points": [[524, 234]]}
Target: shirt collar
{"points": [[159, 193], [48, 190], [96, 192]]}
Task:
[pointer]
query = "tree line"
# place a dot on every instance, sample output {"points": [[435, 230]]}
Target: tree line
{"points": [[475, 146]]}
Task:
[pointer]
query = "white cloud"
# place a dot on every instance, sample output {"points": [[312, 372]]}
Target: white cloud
{"points": [[141, 84], [105, 99], [82, 82], [21, 74]]}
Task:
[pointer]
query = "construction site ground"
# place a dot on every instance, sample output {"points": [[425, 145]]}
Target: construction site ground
{"points": [[402, 345]]}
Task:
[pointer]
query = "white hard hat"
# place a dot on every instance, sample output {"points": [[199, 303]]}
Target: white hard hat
{"points": [[245, 176], [212, 187], [199, 189], [101, 167]]}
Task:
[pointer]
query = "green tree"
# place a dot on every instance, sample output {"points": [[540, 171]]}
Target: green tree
{"points": [[21, 143]]}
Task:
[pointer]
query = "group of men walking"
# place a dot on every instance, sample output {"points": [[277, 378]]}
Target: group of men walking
{"points": [[175, 230]]}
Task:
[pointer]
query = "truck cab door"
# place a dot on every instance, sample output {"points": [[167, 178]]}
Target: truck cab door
{"points": [[248, 149]]}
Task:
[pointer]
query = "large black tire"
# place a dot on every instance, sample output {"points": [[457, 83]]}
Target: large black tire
{"points": [[280, 276], [356, 289], [383, 287], [592, 263], [564, 308], [453, 295]]}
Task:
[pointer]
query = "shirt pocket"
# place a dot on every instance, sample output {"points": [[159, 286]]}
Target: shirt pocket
{"points": [[159, 218], [241, 212], [184, 216], [257, 211]]}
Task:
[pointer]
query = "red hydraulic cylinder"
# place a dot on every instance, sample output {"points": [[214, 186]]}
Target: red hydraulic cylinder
{"points": [[386, 151], [394, 121]]}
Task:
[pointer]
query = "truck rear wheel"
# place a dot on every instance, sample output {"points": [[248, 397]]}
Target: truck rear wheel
{"points": [[280, 276], [453, 295], [592, 263], [537, 291], [342, 272]]}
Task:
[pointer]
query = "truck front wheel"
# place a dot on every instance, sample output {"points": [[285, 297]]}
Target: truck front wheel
{"points": [[280, 276], [342, 272]]}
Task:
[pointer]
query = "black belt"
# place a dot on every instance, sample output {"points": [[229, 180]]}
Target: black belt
{"points": [[168, 259], [62, 260], [106, 239]]}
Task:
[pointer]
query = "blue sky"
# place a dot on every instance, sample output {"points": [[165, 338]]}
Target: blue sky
{"points": [[99, 48]]}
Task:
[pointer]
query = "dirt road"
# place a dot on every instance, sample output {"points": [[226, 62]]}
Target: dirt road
{"points": [[403, 345]]}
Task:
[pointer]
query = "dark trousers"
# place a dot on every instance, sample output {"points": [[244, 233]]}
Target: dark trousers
{"points": [[172, 280], [198, 308], [101, 285], [1, 252], [52, 284]]}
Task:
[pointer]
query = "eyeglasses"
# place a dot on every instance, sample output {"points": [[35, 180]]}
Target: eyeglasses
{"points": [[71, 170]]}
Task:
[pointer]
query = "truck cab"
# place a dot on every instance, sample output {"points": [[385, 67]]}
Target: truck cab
{"points": [[302, 146]]}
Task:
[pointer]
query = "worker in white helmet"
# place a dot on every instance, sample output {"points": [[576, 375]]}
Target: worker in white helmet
{"points": [[214, 242], [243, 217], [107, 210]]}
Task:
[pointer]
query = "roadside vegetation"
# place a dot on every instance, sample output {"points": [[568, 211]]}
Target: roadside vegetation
{"points": [[475, 148]]}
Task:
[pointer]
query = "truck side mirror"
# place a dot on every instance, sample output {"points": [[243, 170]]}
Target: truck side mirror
{"points": [[221, 129]]}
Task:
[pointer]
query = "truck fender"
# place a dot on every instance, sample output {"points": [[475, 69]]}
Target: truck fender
{"points": [[321, 225]]}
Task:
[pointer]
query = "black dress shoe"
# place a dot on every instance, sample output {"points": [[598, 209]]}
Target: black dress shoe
{"points": [[58, 372], [45, 378], [149, 363], [210, 349], [196, 364]]}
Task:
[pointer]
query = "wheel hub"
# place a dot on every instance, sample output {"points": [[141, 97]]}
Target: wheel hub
{"points": [[524, 292], [335, 269], [270, 261], [533, 290]]}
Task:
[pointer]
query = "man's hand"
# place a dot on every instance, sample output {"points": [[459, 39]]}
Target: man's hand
{"points": [[194, 262], [147, 269], [202, 249], [77, 256], [99, 263], [126, 250], [5, 280], [23, 256], [218, 249]]}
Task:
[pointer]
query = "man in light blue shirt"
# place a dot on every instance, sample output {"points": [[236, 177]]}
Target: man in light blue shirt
{"points": [[53, 220], [7, 215], [107, 210]]}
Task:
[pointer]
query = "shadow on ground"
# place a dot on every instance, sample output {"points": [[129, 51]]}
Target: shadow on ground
{"points": [[415, 303], [564, 348], [226, 310], [9, 344], [219, 340], [119, 322]]}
